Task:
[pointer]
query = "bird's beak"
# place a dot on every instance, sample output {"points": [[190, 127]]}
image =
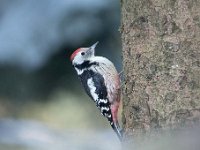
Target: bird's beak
{"points": [[92, 49], [94, 45]]}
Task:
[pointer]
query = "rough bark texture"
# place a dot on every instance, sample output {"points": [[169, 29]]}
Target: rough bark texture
{"points": [[161, 58]]}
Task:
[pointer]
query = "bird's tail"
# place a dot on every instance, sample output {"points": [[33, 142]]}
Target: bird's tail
{"points": [[117, 130]]}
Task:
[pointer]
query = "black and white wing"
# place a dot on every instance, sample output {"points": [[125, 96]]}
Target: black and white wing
{"points": [[94, 86]]}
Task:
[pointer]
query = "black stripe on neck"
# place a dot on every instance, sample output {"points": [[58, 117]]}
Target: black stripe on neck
{"points": [[85, 64]]}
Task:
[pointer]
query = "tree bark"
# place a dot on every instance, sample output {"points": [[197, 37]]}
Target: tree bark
{"points": [[161, 63]]}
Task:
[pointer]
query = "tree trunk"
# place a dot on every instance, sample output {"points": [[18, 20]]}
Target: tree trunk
{"points": [[161, 59]]}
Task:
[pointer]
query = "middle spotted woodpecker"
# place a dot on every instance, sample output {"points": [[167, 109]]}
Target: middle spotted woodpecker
{"points": [[101, 82]]}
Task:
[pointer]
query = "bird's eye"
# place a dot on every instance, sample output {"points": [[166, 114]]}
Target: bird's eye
{"points": [[83, 53]]}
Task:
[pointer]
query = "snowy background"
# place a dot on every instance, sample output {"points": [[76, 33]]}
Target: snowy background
{"points": [[42, 104]]}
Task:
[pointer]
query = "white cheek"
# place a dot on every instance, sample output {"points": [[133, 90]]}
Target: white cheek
{"points": [[78, 59]]}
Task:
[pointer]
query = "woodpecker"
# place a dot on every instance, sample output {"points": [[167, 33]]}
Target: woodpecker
{"points": [[101, 82]]}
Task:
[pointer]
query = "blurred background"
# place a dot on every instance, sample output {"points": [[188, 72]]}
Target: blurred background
{"points": [[42, 103]]}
